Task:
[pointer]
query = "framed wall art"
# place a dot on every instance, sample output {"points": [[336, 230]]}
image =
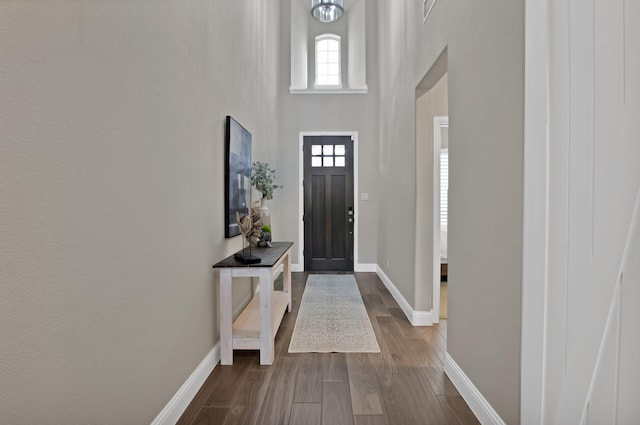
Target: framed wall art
{"points": [[237, 175]]}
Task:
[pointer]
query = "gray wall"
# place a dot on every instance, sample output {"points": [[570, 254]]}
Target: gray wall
{"points": [[486, 89], [397, 176], [486, 97], [328, 113], [111, 205]]}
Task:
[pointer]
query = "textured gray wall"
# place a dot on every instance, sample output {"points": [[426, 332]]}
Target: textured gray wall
{"points": [[396, 234], [111, 206], [485, 42], [486, 110]]}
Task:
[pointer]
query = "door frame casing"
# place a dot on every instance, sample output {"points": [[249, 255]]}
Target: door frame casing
{"points": [[301, 135], [439, 122]]}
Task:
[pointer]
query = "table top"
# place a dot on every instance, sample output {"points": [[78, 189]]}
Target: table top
{"points": [[268, 256]]}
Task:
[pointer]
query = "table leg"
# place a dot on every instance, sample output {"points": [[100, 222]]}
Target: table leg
{"points": [[266, 327], [226, 318], [286, 278]]}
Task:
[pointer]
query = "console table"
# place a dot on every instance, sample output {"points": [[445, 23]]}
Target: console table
{"points": [[256, 327]]}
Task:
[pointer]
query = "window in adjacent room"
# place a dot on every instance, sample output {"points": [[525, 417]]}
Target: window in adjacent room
{"points": [[328, 61], [444, 187]]}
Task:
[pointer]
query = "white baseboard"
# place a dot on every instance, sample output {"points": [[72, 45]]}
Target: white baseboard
{"points": [[474, 398], [180, 401], [297, 267], [365, 267], [422, 318], [417, 318]]}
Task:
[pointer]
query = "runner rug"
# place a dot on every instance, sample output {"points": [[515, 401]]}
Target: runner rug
{"points": [[332, 318]]}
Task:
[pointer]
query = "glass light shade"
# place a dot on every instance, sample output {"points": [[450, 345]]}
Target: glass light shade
{"points": [[327, 10]]}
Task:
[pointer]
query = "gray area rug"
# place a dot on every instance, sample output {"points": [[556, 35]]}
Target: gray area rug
{"points": [[332, 318]]}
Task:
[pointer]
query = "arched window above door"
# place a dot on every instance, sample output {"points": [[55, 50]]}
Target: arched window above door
{"points": [[328, 61], [347, 74]]}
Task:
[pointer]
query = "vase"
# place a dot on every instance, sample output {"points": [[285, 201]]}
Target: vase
{"points": [[264, 213]]}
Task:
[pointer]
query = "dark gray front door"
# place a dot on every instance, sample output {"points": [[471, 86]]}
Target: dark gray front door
{"points": [[328, 203]]}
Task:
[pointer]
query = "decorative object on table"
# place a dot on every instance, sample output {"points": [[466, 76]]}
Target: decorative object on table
{"points": [[263, 178], [249, 226], [237, 176], [265, 239], [265, 216]]}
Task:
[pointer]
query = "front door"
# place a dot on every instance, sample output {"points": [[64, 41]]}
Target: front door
{"points": [[328, 203]]}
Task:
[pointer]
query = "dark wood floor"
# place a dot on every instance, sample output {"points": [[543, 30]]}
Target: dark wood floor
{"points": [[404, 384]]}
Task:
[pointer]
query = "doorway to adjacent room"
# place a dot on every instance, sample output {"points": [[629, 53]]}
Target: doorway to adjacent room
{"points": [[432, 126]]}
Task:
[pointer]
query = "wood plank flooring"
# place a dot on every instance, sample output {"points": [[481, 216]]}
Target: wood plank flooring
{"points": [[403, 384]]}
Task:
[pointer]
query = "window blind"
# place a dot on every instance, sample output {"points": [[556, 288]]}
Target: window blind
{"points": [[444, 186]]}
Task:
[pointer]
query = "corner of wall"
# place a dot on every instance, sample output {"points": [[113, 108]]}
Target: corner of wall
{"points": [[171, 413], [416, 318], [479, 405]]}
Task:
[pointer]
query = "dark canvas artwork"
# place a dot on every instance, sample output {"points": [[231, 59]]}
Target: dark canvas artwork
{"points": [[237, 176]]}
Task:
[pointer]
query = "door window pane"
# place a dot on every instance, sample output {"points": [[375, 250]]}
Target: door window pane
{"points": [[328, 155]]}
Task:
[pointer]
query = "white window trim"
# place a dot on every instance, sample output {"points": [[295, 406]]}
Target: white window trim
{"points": [[319, 38]]}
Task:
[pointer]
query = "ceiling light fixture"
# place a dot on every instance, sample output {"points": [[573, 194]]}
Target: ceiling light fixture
{"points": [[327, 10]]}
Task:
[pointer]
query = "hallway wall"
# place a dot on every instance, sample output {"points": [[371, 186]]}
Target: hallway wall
{"points": [[486, 98], [111, 195], [328, 113]]}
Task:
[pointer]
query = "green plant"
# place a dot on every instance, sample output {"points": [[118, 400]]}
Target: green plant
{"points": [[265, 228], [262, 178]]}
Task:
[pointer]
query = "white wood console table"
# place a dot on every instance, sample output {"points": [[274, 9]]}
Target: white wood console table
{"points": [[256, 327]]}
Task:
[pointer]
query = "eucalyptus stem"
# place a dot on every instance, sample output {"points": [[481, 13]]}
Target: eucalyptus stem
{"points": [[263, 178]]}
